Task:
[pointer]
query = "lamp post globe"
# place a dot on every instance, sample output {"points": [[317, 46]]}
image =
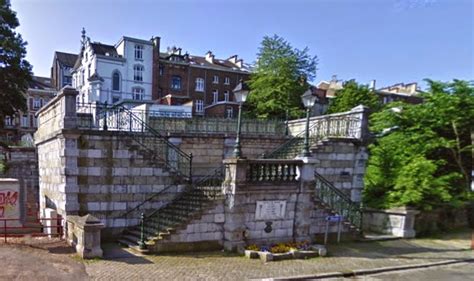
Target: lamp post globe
{"points": [[308, 100], [241, 91]]}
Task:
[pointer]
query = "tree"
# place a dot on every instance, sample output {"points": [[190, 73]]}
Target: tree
{"points": [[15, 71], [426, 161], [279, 79], [353, 95]]}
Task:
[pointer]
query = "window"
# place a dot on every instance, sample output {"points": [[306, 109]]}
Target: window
{"points": [[35, 122], [199, 106], [24, 120], [226, 95], [227, 80], [89, 74], [138, 72], [138, 52], [138, 93], [229, 112], [8, 121], [199, 84], [176, 83], [67, 80], [36, 103], [215, 96], [82, 77], [162, 70], [116, 81], [215, 79]]}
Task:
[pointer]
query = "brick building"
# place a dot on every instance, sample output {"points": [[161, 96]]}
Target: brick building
{"points": [[205, 82], [15, 128]]}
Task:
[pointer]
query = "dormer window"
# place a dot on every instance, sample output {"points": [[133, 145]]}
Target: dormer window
{"points": [[139, 52], [215, 79]]}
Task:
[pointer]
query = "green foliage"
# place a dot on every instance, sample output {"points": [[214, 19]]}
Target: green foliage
{"points": [[15, 71], [353, 95], [425, 160], [279, 79]]}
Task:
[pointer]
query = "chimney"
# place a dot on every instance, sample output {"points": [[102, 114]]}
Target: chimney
{"points": [[233, 59], [209, 57], [372, 85], [156, 43]]}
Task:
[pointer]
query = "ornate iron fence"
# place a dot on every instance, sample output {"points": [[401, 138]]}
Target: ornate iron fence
{"points": [[338, 201]]}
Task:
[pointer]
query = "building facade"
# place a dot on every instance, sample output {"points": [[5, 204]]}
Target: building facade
{"points": [[61, 70], [120, 73], [204, 82], [21, 126]]}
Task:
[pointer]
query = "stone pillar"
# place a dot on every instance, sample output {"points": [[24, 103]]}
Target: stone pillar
{"points": [[234, 226], [407, 229], [69, 107], [83, 233], [304, 204]]}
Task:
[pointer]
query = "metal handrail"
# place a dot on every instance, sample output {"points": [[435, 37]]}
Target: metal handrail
{"points": [[123, 120], [338, 201]]}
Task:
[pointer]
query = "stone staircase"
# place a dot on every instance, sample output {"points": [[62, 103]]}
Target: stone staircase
{"points": [[190, 204], [202, 196]]}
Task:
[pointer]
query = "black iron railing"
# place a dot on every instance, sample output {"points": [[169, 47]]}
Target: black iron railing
{"points": [[338, 201]]}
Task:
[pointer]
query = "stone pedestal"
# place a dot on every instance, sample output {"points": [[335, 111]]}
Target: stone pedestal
{"points": [[84, 234]]}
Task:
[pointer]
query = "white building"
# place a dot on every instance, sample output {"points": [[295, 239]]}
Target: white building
{"points": [[121, 73]]}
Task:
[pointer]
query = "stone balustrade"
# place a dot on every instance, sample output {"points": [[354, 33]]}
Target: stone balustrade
{"points": [[273, 170], [351, 124]]}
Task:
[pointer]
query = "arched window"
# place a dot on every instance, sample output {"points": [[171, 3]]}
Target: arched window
{"points": [[116, 81], [138, 72]]}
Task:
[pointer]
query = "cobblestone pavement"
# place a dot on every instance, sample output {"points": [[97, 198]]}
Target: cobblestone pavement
{"points": [[39, 259], [120, 264]]}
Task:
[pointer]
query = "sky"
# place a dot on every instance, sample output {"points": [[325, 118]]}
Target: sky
{"points": [[390, 41]]}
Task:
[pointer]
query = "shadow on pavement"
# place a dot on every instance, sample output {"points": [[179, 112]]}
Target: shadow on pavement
{"points": [[116, 253]]}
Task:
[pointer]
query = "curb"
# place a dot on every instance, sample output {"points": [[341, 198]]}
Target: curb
{"points": [[360, 272]]}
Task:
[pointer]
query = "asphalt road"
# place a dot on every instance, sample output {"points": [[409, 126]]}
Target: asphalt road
{"points": [[454, 272]]}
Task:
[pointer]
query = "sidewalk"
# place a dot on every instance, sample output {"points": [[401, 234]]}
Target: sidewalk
{"points": [[118, 263]]}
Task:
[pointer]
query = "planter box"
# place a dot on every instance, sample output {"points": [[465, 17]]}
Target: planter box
{"points": [[316, 251], [300, 254], [251, 254]]}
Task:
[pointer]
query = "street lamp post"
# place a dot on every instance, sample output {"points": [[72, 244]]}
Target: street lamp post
{"points": [[241, 92], [308, 100]]}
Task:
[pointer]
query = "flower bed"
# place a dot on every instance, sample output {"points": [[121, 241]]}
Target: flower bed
{"points": [[283, 251]]}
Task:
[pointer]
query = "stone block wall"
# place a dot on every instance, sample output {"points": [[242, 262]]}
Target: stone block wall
{"points": [[342, 162], [115, 175], [209, 150]]}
